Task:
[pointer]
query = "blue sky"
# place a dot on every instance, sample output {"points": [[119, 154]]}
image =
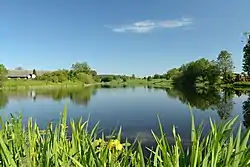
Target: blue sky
{"points": [[123, 37]]}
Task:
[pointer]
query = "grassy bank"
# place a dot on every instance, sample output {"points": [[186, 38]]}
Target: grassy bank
{"points": [[32, 147], [141, 82], [36, 84]]}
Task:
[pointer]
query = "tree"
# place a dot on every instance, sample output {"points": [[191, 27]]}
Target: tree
{"points": [[201, 70], [225, 63], [246, 57], [124, 78], [133, 76], [93, 73], [149, 78], [81, 67], [3, 73], [55, 76], [156, 76], [85, 78], [115, 77], [97, 78], [107, 79], [172, 73]]}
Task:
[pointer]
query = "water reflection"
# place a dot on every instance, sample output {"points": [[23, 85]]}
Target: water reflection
{"points": [[226, 104], [3, 99], [222, 102], [79, 96], [246, 112], [202, 99]]}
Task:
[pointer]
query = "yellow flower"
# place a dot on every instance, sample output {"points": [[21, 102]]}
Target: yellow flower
{"points": [[98, 142], [115, 144], [119, 147]]}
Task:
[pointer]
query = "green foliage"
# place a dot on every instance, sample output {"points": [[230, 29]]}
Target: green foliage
{"points": [[3, 73], [115, 77], [202, 81], [107, 79], [79, 72], [171, 74], [246, 57], [157, 76], [97, 79], [55, 76], [133, 76], [52, 147], [93, 73], [229, 78], [149, 78], [193, 73], [85, 78], [225, 63], [81, 67], [124, 78]]}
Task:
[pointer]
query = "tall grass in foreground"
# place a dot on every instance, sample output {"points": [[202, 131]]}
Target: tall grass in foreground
{"points": [[32, 147]]}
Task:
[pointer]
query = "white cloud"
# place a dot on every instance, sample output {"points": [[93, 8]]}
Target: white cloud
{"points": [[149, 25]]}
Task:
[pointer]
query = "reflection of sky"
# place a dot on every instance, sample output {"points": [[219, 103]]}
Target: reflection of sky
{"points": [[135, 109]]}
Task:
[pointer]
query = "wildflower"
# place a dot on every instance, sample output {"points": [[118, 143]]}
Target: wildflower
{"points": [[98, 142], [119, 147], [115, 144]]}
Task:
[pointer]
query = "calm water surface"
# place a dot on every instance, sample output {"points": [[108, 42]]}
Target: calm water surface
{"points": [[135, 109]]}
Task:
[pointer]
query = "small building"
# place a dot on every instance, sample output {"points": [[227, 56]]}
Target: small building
{"points": [[21, 74]]}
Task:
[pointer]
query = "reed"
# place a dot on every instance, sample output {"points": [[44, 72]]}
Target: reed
{"points": [[30, 146]]}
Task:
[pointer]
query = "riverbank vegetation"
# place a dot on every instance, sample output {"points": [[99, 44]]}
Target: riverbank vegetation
{"points": [[54, 146]]}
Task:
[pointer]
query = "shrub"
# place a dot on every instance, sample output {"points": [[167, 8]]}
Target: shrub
{"points": [[85, 78]]}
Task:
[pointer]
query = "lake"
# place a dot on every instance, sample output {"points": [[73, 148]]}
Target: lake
{"points": [[133, 108]]}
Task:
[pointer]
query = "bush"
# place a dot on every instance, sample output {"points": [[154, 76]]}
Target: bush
{"points": [[149, 78], [85, 78], [107, 79]]}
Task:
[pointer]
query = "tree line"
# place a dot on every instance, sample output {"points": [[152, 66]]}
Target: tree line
{"points": [[78, 72], [204, 72]]}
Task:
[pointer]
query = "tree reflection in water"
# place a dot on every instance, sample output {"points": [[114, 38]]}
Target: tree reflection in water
{"points": [[246, 112], [204, 99], [3, 99], [80, 96]]}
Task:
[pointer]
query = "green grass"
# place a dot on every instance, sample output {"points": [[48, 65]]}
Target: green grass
{"points": [[30, 146], [36, 84], [141, 82]]}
